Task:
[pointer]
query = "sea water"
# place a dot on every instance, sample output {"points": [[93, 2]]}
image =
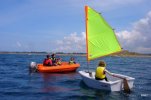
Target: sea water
{"points": [[18, 83]]}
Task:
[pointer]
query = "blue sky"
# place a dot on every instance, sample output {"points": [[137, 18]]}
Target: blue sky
{"points": [[59, 25]]}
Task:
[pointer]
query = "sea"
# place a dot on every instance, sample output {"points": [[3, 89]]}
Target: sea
{"points": [[17, 82]]}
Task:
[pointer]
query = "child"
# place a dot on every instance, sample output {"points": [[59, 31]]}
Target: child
{"points": [[72, 61], [47, 61], [53, 59], [58, 61], [100, 71]]}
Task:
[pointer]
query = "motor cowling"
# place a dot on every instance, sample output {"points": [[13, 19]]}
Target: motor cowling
{"points": [[33, 67]]}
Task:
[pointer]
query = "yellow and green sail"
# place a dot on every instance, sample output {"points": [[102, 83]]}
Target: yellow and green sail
{"points": [[100, 37]]}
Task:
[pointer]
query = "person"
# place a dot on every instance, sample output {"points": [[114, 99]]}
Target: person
{"points": [[53, 58], [58, 61], [72, 61], [101, 71], [47, 61]]}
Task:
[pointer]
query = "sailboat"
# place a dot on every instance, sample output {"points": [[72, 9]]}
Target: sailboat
{"points": [[101, 41]]}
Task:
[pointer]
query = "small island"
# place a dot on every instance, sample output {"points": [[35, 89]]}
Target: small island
{"points": [[126, 53]]}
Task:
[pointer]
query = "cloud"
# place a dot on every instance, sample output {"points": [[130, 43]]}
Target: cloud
{"points": [[138, 39], [71, 43]]}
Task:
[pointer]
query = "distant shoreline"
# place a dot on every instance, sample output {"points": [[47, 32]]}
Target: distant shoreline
{"points": [[44, 53], [121, 54]]}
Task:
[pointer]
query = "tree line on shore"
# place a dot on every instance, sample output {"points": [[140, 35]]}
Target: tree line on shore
{"points": [[123, 53]]}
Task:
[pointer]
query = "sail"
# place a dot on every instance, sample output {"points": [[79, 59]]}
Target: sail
{"points": [[100, 37]]}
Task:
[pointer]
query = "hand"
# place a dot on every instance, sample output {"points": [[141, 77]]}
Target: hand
{"points": [[112, 74]]}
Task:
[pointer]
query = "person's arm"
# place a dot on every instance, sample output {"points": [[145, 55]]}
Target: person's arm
{"points": [[108, 72], [44, 61]]}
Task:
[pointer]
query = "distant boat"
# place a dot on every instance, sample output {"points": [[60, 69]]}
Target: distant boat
{"points": [[64, 67], [101, 41]]}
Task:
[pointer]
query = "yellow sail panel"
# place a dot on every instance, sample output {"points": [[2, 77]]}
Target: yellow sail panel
{"points": [[100, 37]]}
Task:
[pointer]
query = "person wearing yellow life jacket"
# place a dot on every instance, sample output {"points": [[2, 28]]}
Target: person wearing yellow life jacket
{"points": [[100, 71], [72, 61], [58, 61], [53, 58]]}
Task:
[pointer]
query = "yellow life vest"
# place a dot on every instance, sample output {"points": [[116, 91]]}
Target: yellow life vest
{"points": [[100, 72], [59, 63], [71, 62]]}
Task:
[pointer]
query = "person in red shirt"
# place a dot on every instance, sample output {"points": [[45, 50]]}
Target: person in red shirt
{"points": [[47, 61]]}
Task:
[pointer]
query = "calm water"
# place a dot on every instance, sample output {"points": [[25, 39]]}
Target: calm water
{"points": [[16, 82]]}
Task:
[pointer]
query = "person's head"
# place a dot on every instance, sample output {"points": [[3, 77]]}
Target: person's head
{"points": [[48, 56], [71, 58], [102, 63], [53, 55]]}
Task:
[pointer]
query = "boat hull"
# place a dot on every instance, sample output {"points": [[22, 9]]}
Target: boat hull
{"points": [[64, 67], [114, 83]]}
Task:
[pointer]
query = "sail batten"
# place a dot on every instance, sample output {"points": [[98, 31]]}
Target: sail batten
{"points": [[100, 37]]}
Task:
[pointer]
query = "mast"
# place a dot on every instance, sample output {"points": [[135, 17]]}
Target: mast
{"points": [[86, 24]]}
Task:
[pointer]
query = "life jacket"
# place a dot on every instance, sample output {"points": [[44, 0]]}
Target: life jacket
{"points": [[47, 62], [71, 62], [58, 62], [100, 72], [53, 59]]}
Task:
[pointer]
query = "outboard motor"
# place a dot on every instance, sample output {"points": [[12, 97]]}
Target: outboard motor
{"points": [[33, 67]]}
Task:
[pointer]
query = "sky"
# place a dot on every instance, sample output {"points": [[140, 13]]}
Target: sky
{"points": [[59, 25]]}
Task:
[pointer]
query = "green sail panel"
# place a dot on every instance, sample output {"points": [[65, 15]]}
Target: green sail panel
{"points": [[100, 37]]}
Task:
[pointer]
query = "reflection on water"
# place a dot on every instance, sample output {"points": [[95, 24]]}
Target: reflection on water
{"points": [[54, 82]]}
